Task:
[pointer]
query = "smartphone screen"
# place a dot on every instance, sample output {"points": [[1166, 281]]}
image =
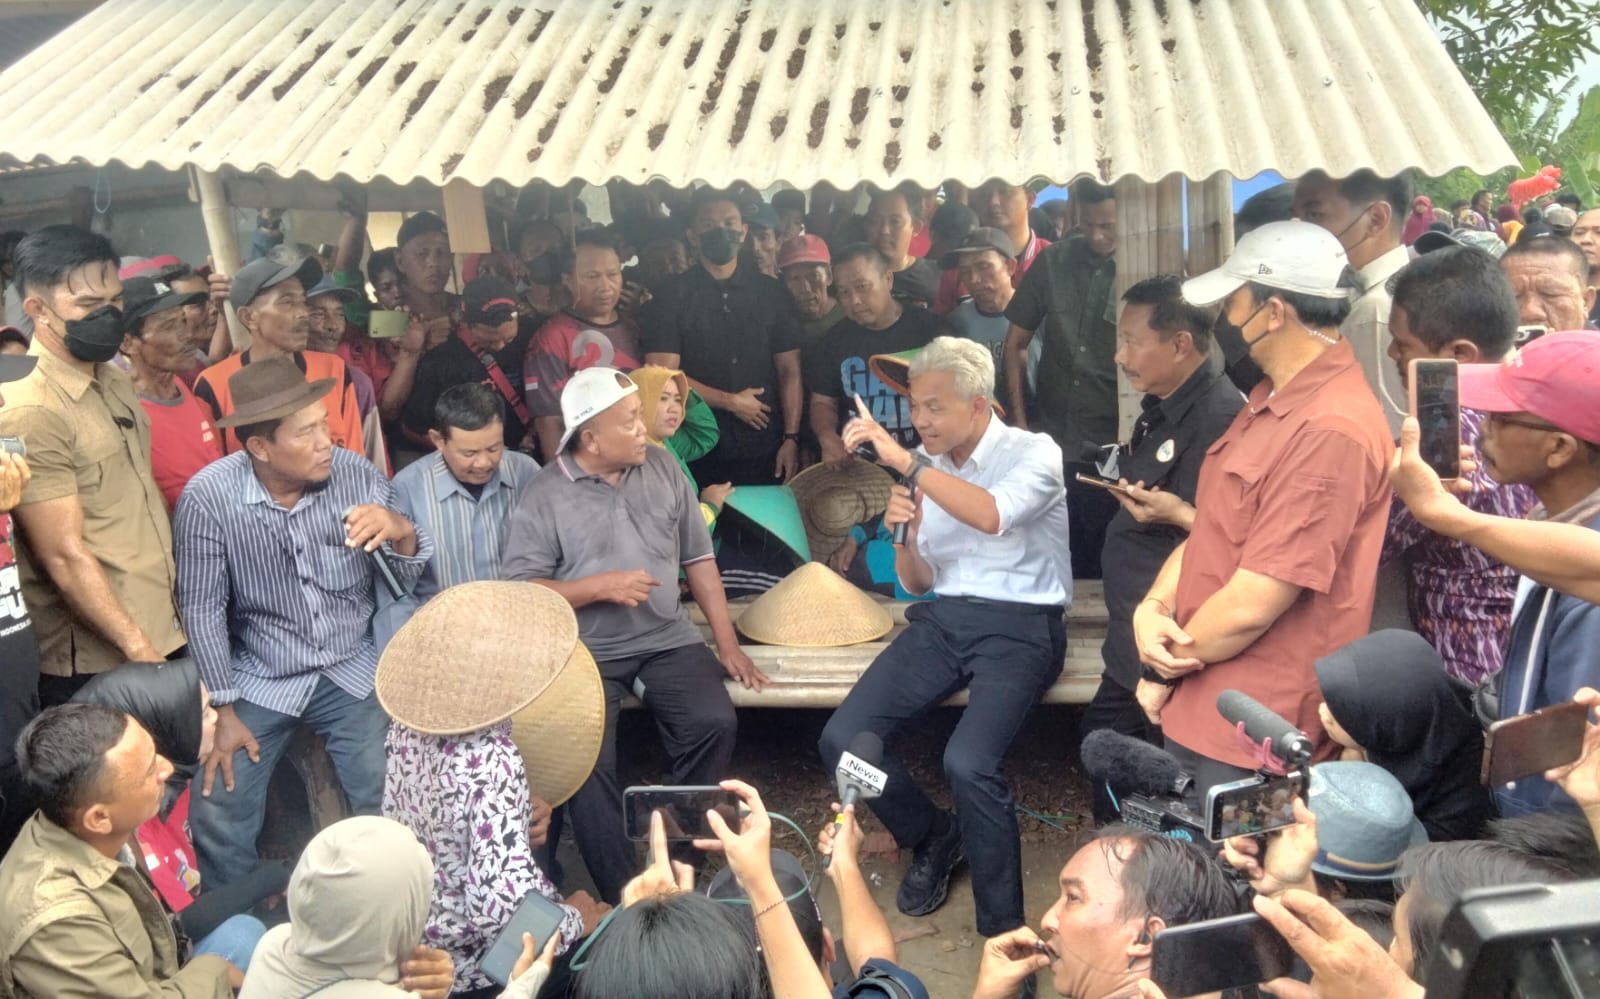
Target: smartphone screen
{"points": [[1218, 954], [537, 915], [1533, 743], [1436, 403], [683, 809], [1253, 805]]}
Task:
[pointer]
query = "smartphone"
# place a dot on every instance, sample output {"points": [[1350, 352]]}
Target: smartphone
{"points": [[1436, 403], [1254, 805], [1231, 952], [1533, 743], [1528, 334], [1106, 484], [682, 808], [14, 445], [537, 915]]}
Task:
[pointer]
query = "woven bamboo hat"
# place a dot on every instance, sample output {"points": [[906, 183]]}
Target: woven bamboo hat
{"points": [[814, 607], [833, 500], [479, 653]]}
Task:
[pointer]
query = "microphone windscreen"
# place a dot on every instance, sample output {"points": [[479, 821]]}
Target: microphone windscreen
{"points": [[1260, 722], [867, 747], [1129, 765]]}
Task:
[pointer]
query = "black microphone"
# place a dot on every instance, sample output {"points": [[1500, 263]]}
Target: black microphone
{"points": [[1132, 766], [380, 562], [858, 777], [898, 532], [1266, 728]]}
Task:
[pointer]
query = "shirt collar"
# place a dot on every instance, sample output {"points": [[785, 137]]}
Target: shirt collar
{"points": [[1174, 406], [86, 863], [979, 458], [1283, 399], [73, 381], [1382, 267], [448, 485], [575, 473]]}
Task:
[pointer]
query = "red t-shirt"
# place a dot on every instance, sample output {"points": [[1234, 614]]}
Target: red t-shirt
{"points": [[169, 856], [952, 292], [363, 353], [1296, 490], [565, 344], [182, 441]]}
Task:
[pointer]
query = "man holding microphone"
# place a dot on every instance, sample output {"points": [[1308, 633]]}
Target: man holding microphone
{"points": [[983, 511]]}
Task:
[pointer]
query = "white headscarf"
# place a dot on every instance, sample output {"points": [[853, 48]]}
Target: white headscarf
{"points": [[358, 902]]}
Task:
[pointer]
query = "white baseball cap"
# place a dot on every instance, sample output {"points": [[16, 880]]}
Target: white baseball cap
{"points": [[1289, 256], [589, 393]]}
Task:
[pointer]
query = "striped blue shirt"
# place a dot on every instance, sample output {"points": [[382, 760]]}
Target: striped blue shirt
{"points": [[273, 599], [468, 531]]}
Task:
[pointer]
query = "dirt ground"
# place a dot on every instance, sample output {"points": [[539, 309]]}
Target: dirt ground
{"points": [[777, 754]]}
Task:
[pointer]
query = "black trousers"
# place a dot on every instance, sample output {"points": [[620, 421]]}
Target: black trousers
{"points": [[683, 689], [1089, 513], [1207, 773], [1113, 707], [1006, 658]]}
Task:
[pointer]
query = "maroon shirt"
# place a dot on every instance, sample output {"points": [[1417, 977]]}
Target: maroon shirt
{"points": [[1297, 490]]}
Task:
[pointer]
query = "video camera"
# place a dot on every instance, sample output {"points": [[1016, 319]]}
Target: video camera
{"points": [[1148, 784], [1523, 941]]}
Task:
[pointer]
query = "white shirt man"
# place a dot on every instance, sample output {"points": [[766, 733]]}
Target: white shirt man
{"points": [[986, 532]]}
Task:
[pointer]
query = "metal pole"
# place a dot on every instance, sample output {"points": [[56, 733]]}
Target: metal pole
{"points": [[223, 240]]}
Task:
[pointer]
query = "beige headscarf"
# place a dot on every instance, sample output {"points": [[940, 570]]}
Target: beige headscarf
{"points": [[650, 380], [358, 902]]}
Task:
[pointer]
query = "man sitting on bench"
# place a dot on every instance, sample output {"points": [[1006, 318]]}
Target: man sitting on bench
{"points": [[984, 509]]}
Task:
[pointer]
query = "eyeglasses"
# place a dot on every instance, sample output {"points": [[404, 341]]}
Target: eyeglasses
{"points": [[1525, 424]]}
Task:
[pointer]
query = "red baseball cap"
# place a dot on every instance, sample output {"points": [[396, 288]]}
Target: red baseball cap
{"points": [[149, 265], [1556, 378], [804, 250]]}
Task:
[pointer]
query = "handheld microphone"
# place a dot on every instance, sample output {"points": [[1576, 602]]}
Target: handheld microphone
{"points": [[1132, 766], [380, 562], [1268, 732], [858, 777], [898, 532]]}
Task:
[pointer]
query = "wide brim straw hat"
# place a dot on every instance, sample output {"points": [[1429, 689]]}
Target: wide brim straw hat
{"points": [[479, 653], [833, 500], [814, 607], [559, 733]]}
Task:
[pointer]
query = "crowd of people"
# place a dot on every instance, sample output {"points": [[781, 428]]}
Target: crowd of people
{"points": [[335, 529]]}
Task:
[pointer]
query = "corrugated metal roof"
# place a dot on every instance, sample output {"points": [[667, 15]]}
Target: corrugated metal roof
{"points": [[758, 90]]}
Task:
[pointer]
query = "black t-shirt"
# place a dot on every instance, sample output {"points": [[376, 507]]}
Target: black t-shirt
{"points": [[19, 685], [726, 334], [454, 363], [837, 365], [918, 284]]}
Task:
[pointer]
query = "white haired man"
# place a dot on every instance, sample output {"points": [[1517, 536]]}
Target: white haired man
{"points": [[985, 513]]}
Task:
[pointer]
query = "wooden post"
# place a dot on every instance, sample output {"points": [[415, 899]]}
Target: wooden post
{"points": [[222, 239], [1210, 222], [465, 217]]}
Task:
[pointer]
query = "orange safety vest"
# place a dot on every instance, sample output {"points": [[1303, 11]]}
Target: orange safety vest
{"points": [[344, 418]]}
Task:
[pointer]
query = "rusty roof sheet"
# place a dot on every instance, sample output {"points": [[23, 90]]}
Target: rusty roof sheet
{"points": [[718, 90]]}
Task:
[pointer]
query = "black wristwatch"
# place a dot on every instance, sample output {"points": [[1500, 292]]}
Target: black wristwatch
{"points": [[918, 463], [1146, 673], [792, 437]]}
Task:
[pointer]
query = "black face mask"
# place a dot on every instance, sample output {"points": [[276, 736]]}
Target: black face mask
{"points": [[719, 246], [97, 336]]}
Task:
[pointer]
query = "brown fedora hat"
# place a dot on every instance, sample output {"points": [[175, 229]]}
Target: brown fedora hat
{"points": [[270, 390]]}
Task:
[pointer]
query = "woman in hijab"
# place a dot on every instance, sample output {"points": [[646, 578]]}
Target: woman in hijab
{"points": [[358, 902], [1418, 221], [680, 421], [171, 703], [1388, 696]]}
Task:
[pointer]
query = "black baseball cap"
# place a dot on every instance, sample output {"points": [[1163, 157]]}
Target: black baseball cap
{"points": [[982, 238], [259, 275], [952, 219], [419, 224], [143, 297], [489, 300], [791, 877]]}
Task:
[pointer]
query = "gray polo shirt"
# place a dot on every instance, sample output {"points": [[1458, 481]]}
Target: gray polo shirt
{"points": [[569, 524]]}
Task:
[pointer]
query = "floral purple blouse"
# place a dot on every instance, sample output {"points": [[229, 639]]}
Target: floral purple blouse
{"points": [[466, 798]]}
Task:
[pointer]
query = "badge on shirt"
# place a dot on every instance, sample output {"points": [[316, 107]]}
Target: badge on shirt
{"points": [[1166, 450]]}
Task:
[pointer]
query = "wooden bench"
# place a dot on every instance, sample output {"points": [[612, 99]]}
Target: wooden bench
{"points": [[820, 678]]}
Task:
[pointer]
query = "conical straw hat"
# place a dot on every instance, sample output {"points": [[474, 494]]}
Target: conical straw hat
{"points": [[559, 734], [814, 607], [479, 653], [833, 500]]}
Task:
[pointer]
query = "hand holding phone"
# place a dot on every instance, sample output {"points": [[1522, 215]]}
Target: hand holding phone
{"points": [[1218, 954], [683, 810], [538, 917], [1533, 743], [1436, 403], [1250, 806], [1106, 484]]}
